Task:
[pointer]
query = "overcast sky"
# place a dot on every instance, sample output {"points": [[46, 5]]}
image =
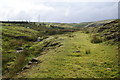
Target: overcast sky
{"points": [[58, 10]]}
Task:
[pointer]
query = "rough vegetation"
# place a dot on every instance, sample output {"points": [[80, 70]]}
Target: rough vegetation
{"points": [[108, 32], [55, 50]]}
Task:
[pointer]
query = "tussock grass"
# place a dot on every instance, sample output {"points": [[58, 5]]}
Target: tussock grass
{"points": [[96, 39], [87, 51]]}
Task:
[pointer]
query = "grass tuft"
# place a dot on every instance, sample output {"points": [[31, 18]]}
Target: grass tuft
{"points": [[96, 39], [87, 51]]}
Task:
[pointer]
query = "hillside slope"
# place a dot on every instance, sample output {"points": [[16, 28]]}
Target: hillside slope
{"points": [[77, 57], [15, 39], [39, 50], [107, 32], [22, 42], [99, 23]]}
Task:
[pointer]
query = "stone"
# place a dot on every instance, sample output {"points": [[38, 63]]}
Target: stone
{"points": [[20, 48], [34, 60], [29, 63], [54, 44], [28, 27], [26, 67], [18, 51]]}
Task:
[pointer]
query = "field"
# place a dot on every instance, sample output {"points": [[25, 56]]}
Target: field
{"points": [[74, 51]]}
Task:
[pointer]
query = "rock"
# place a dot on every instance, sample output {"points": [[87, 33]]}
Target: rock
{"points": [[28, 27], [18, 51], [34, 64], [26, 67], [29, 63], [34, 60], [20, 48], [39, 39], [54, 44], [59, 45], [76, 51]]}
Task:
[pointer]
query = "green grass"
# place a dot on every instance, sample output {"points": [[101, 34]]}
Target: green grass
{"points": [[62, 62], [15, 31], [70, 55], [13, 62], [98, 23], [96, 39], [12, 39]]}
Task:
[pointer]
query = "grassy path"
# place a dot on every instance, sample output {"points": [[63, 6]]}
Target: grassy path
{"points": [[93, 60]]}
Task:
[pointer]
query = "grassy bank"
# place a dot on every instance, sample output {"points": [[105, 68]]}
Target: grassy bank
{"points": [[63, 50], [76, 58]]}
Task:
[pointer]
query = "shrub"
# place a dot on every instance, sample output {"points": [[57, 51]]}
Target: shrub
{"points": [[96, 39], [16, 42], [86, 31]]}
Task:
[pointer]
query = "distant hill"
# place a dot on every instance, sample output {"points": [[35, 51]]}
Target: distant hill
{"points": [[83, 24], [99, 23]]}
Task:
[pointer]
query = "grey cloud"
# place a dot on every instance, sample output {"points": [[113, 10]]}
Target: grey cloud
{"points": [[62, 11]]}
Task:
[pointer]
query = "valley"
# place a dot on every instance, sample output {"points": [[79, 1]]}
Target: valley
{"points": [[57, 50]]}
